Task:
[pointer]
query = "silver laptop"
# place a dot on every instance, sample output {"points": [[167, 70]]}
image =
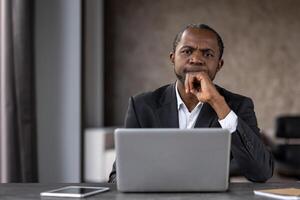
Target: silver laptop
{"points": [[172, 160]]}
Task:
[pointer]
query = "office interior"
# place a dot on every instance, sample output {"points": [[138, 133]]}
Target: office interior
{"points": [[90, 56]]}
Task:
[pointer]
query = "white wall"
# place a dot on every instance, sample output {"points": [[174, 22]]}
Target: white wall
{"points": [[58, 82]]}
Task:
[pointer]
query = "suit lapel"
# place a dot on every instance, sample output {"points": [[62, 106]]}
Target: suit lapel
{"points": [[167, 111], [207, 117]]}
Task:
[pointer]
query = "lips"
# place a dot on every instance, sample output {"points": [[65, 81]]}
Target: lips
{"points": [[194, 70]]}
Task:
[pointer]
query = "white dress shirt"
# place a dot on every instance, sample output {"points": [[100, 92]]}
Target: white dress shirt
{"points": [[188, 119]]}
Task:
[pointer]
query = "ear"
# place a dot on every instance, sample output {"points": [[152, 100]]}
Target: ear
{"points": [[220, 64], [172, 57]]}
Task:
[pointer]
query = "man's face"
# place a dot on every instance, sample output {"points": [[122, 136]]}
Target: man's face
{"points": [[197, 51]]}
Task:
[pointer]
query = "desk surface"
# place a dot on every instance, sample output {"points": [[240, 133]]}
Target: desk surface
{"points": [[242, 191]]}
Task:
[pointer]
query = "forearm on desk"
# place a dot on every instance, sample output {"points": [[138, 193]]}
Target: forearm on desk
{"points": [[254, 160]]}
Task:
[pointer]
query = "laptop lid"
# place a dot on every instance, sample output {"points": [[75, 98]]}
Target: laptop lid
{"points": [[165, 160]]}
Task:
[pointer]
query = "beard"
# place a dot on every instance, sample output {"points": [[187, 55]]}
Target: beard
{"points": [[180, 77]]}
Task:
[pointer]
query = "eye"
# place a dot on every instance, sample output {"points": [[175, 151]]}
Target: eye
{"points": [[187, 51], [208, 55]]}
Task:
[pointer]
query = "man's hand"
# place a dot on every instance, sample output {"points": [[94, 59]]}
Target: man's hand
{"points": [[199, 84]]}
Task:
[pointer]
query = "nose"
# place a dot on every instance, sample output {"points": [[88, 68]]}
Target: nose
{"points": [[197, 58]]}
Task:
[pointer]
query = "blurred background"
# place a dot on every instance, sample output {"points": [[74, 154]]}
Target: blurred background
{"points": [[68, 68]]}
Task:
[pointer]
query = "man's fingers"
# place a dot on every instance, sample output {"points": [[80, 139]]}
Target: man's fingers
{"points": [[196, 84], [193, 81], [190, 82], [186, 84], [194, 92]]}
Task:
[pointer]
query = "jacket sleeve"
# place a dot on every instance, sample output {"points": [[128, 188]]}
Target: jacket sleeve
{"points": [[131, 121], [254, 161]]}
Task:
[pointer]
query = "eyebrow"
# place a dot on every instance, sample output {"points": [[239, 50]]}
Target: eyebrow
{"points": [[190, 47]]}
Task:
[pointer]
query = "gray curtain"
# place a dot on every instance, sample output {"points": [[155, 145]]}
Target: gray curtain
{"points": [[18, 155]]}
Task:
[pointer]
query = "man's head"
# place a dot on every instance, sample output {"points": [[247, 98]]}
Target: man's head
{"points": [[197, 48], [199, 26]]}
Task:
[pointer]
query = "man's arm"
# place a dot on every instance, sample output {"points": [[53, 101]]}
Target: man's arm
{"points": [[248, 150], [253, 159], [131, 121], [250, 156]]}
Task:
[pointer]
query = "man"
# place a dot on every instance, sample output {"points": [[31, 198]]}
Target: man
{"points": [[194, 101]]}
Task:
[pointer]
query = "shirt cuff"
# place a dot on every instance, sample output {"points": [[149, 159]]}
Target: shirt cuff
{"points": [[229, 122]]}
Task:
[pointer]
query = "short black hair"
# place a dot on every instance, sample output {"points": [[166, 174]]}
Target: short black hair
{"points": [[199, 26]]}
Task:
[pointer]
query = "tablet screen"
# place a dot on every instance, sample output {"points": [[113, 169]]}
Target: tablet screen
{"points": [[75, 191]]}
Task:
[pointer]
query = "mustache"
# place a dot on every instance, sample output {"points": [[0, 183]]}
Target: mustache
{"points": [[191, 69], [194, 69]]}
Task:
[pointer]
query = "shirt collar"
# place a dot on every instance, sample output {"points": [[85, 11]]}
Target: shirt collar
{"points": [[180, 101]]}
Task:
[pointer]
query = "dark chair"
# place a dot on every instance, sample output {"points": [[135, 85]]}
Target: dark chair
{"points": [[287, 155]]}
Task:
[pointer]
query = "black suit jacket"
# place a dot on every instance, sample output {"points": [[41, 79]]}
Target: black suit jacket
{"points": [[249, 157]]}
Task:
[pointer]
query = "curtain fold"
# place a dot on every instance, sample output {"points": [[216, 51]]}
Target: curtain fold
{"points": [[18, 142]]}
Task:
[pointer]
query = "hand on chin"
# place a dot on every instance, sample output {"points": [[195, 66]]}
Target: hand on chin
{"points": [[200, 85]]}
